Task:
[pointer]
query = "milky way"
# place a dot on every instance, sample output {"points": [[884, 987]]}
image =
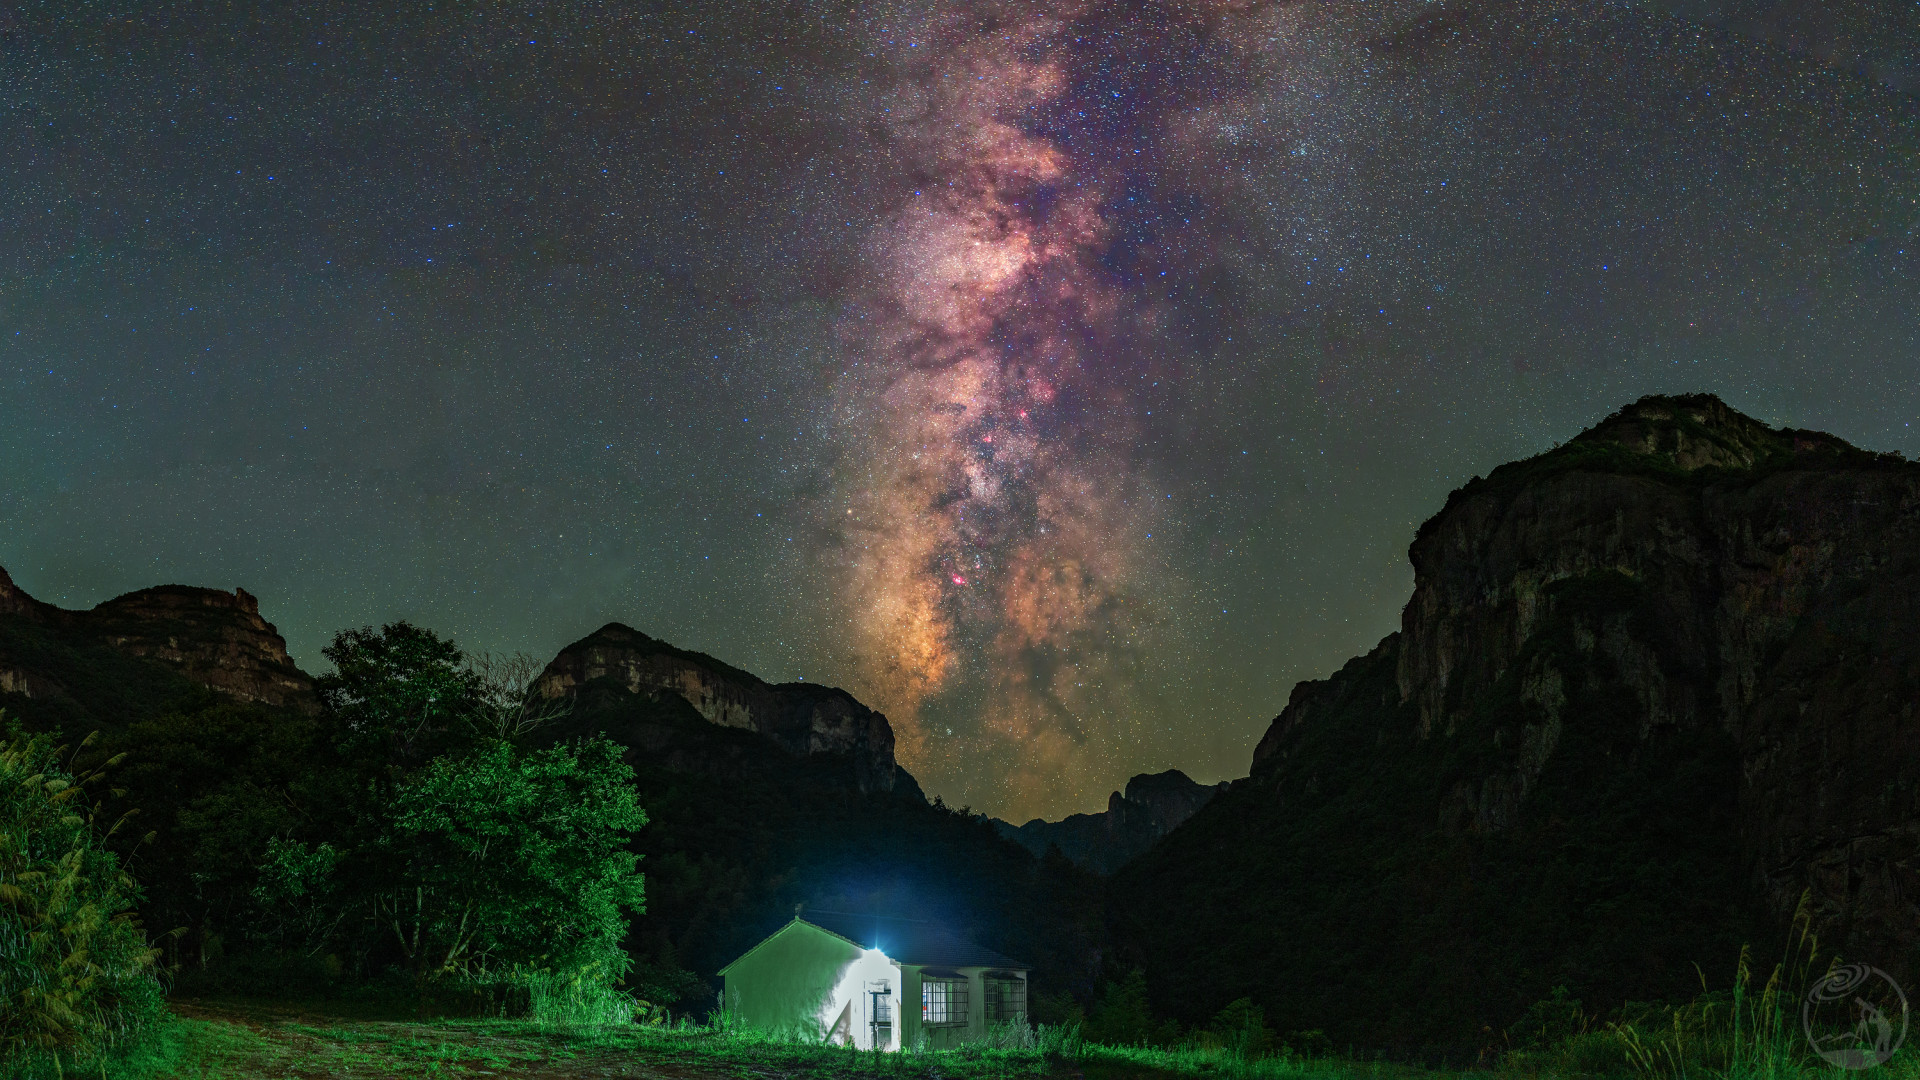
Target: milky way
{"points": [[1000, 369], [1065, 380]]}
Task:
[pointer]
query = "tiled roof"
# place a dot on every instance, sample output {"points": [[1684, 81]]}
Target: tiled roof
{"points": [[910, 941]]}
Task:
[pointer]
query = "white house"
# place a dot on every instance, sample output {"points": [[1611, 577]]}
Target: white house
{"points": [[873, 982]]}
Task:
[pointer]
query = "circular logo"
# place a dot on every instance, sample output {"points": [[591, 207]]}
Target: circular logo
{"points": [[1855, 1017]]}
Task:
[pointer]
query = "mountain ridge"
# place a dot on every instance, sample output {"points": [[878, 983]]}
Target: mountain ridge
{"points": [[802, 718], [1151, 806], [1651, 688], [210, 637]]}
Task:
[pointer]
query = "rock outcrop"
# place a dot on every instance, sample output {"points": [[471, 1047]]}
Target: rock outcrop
{"points": [[1651, 689], [802, 718], [1767, 584], [1153, 805], [214, 638]]}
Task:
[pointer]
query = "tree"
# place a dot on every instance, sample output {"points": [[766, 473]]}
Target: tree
{"points": [[508, 706], [497, 862], [1242, 1028], [75, 970], [1121, 1016], [215, 779], [402, 695]]}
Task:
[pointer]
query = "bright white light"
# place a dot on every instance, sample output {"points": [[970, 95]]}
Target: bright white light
{"points": [[849, 998]]}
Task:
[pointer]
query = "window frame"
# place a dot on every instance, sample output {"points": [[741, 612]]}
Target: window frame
{"points": [[952, 997], [993, 987]]}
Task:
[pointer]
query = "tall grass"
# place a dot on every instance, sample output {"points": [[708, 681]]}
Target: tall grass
{"points": [[1740, 1033], [564, 1003], [76, 976]]}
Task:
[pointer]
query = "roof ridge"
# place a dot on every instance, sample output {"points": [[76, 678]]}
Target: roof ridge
{"points": [[804, 912]]}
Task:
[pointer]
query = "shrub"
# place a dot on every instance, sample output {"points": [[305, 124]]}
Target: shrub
{"points": [[1121, 1016], [76, 975], [1241, 1029], [580, 999]]}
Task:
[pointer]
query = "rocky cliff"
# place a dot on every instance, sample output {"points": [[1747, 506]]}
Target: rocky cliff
{"points": [[1150, 808], [802, 718], [1651, 688], [210, 637]]}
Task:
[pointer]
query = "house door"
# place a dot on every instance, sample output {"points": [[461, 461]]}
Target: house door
{"points": [[880, 1013]]}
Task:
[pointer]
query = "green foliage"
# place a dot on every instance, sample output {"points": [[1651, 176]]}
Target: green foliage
{"points": [[577, 999], [1550, 1021], [660, 982], [1057, 1008], [214, 781], [503, 863], [516, 859], [1734, 1033], [299, 889], [1241, 1029], [1122, 1017], [402, 695], [163, 1050], [76, 975]]}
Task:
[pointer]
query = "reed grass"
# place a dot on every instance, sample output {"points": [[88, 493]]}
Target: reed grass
{"points": [[77, 984]]}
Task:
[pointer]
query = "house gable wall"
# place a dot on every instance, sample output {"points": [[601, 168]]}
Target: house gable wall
{"points": [[785, 986]]}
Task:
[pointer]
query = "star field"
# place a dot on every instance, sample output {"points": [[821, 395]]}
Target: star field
{"points": [[1065, 380]]}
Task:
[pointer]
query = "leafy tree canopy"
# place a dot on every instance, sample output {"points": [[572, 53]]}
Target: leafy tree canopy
{"points": [[526, 853], [492, 863], [402, 693]]}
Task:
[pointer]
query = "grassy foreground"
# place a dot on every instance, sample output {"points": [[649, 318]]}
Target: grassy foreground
{"points": [[255, 1040]]}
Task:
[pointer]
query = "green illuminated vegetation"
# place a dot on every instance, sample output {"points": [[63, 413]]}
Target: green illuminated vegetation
{"points": [[261, 1040], [464, 856], [76, 976]]}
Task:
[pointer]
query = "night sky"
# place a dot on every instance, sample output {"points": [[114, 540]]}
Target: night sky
{"points": [[1064, 379]]}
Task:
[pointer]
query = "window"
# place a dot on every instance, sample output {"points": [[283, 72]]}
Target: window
{"points": [[943, 1000], [1006, 995], [880, 1013]]}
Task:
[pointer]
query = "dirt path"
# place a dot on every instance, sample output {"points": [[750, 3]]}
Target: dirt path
{"points": [[291, 1041]]}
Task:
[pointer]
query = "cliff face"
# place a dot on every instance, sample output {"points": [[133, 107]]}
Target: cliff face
{"points": [[1769, 587], [802, 718], [214, 638], [1153, 805], [1650, 687]]}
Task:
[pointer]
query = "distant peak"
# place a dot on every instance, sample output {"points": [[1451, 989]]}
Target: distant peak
{"points": [[213, 637], [1693, 431], [1141, 785], [174, 596], [620, 636], [1673, 437], [617, 631]]}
